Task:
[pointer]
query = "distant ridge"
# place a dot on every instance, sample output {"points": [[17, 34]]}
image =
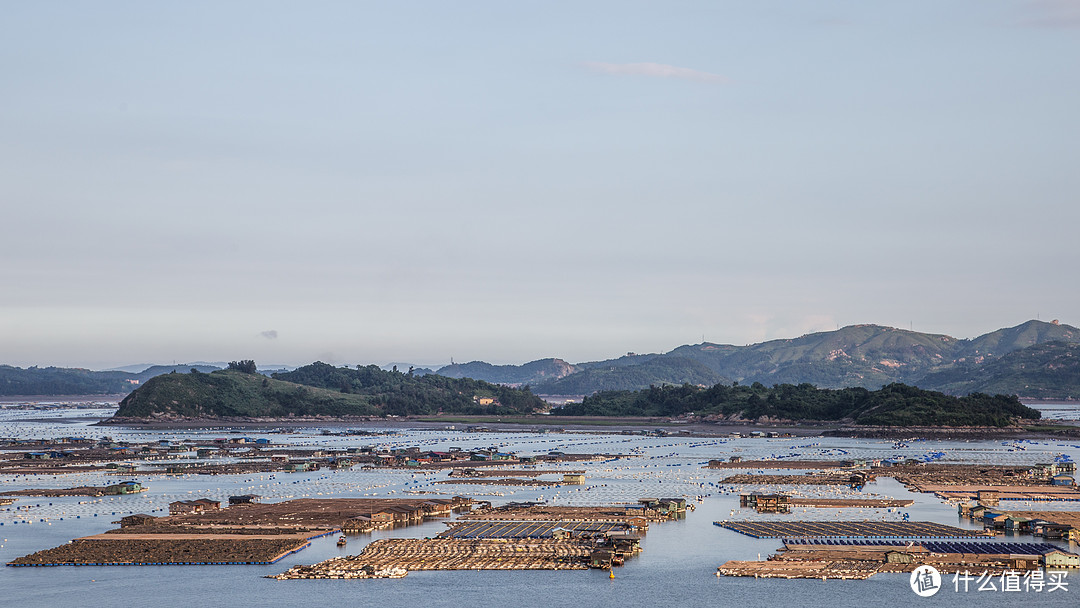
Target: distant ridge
{"points": [[534, 372], [868, 356]]}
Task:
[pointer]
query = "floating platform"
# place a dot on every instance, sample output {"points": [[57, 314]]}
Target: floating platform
{"points": [[800, 569], [828, 479], [778, 465], [826, 559], [850, 503], [510, 481], [637, 515], [250, 533], [169, 550], [933, 546], [847, 529], [473, 472], [530, 529], [410, 554], [1019, 493]]}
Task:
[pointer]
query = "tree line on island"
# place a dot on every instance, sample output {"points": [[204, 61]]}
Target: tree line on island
{"points": [[321, 389], [892, 405]]}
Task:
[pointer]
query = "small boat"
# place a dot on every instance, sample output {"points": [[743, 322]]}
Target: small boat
{"points": [[341, 541]]}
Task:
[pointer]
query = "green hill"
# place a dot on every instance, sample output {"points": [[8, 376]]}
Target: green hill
{"points": [[657, 371], [529, 373], [1004, 341], [62, 381], [74, 381], [318, 390], [1043, 371], [868, 356], [403, 394], [892, 405], [231, 393]]}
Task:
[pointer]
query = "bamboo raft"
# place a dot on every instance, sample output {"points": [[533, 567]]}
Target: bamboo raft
{"points": [[409, 554], [801, 569]]}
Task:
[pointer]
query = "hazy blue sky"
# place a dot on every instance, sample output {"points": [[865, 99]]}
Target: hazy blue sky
{"points": [[366, 182]]}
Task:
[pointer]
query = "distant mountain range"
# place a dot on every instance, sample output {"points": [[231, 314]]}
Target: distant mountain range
{"points": [[54, 381], [1035, 360], [74, 381]]}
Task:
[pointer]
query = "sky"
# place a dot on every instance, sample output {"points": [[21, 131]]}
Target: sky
{"points": [[364, 182]]}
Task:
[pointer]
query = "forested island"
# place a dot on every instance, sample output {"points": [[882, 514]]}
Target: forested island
{"points": [[318, 389], [892, 405], [75, 381], [322, 390]]}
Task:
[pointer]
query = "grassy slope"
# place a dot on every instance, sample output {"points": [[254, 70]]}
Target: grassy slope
{"points": [[1007, 340], [661, 370], [1050, 370]]}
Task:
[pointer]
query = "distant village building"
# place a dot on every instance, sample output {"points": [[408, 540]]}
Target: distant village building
{"points": [[186, 507], [244, 499], [1061, 559], [140, 519], [124, 487], [1062, 480]]}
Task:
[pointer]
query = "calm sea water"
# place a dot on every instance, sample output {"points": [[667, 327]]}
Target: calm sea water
{"points": [[677, 567]]}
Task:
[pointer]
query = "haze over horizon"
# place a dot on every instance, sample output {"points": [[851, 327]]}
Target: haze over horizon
{"points": [[367, 182], [436, 365]]}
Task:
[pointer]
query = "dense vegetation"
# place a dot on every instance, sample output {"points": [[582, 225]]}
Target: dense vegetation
{"points": [[319, 390], [232, 393], [62, 381], [73, 381], [892, 405], [404, 394]]}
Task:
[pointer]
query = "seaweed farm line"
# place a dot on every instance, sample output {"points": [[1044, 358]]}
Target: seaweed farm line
{"points": [[500, 554]]}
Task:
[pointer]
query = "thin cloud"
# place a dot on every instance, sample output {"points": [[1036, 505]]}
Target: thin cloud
{"points": [[1051, 13], [270, 334], [656, 70]]}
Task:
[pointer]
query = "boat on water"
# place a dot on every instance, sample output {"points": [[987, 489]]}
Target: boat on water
{"points": [[341, 541]]}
